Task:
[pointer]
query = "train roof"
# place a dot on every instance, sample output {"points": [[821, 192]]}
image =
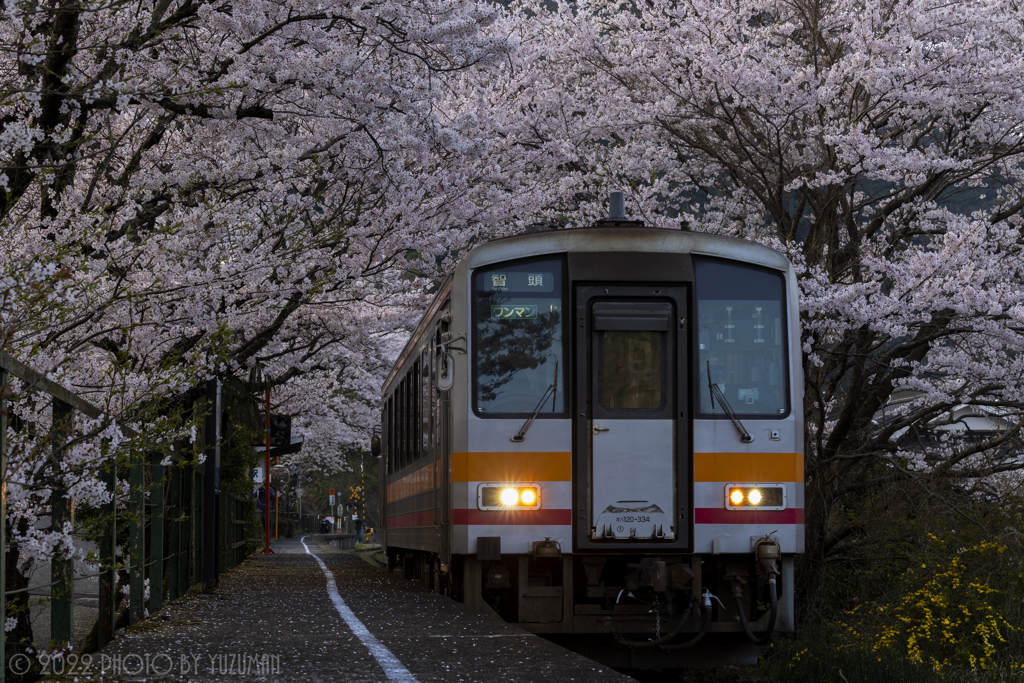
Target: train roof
{"points": [[625, 239]]}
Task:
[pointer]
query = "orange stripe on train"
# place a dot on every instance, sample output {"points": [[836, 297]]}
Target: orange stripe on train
{"points": [[512, 466], [754, 467], [416, 482]]}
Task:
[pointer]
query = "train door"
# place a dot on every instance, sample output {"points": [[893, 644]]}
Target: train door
{"points": [[632, 373], [442, 454]]}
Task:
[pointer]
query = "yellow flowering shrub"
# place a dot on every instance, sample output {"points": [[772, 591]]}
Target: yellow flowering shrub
{"points": [[946, 616]]}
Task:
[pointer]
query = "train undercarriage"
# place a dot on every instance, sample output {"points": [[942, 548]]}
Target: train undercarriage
{"points": [[626, 610]]}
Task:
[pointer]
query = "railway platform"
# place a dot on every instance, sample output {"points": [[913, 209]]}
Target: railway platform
{"points": [[312, 612]]}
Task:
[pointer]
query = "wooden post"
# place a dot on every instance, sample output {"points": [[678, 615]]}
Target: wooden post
{"points": [[136, 537], [108, 559], [156, 537], [61, 570]]}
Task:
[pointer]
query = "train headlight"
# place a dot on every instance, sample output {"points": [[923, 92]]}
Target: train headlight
{"points": [[755, 497], [509, 497]]}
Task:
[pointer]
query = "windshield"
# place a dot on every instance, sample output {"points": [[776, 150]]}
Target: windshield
{"points": [[741, 337], [517, 338]]}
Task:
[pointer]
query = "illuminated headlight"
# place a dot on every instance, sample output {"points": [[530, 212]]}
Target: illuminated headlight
{"points": [[508, 496], [755, 496]]}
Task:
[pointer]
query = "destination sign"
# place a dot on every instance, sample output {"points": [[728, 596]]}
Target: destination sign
{"points": [[516, 312], [517, 282]]}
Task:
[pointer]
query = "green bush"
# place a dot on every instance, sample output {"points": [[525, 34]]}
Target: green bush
{"points": [[797, 661], [287, 527], [920, 583]]}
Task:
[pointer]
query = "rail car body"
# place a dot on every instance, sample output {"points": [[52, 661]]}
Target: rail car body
{"points": [[597, 434]]}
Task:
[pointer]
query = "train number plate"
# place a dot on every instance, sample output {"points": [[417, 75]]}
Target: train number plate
{"points": [[633, 519]]}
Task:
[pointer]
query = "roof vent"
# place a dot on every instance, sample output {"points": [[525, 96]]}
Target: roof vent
{"points": [[618, 207], [617, 214]]}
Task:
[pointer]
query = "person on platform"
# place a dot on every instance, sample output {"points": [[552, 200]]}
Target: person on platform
{"points": [[261, 503]]}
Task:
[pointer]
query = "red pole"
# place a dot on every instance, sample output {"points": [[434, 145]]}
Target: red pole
{"points": [[266, 484]]}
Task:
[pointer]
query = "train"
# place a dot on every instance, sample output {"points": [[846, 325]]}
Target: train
{"points": [[596, 434]]}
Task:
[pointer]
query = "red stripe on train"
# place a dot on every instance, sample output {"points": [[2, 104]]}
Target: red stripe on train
{"points": [[512, 517], [724, 516], [412, 519], [564, 517]]}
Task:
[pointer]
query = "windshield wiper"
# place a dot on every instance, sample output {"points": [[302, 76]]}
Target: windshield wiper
{"points": [[552, 390], [716, 392]]}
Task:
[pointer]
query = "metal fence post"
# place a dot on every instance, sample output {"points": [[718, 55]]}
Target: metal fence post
{"points": [[185, 544], [156, 538], [137, 537], [197, 527], [222, 539], [61, 570], [211, 483], [108, 560], [174, 541]]}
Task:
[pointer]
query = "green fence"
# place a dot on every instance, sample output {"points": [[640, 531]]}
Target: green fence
{"points": [[303, 523], [166, 542]]}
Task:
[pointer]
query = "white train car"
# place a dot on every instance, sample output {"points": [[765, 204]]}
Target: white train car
{"points": [[597, 434]]}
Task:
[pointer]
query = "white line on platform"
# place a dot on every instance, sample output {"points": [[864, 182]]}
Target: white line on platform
{"points": [[393, 667]]}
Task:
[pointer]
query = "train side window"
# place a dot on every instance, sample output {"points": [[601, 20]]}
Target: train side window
{"points": [[417, 423], [518, 332], [406, 420], [741, 337], [402, 422], [398, 425], [425, 418], [389, 430]]}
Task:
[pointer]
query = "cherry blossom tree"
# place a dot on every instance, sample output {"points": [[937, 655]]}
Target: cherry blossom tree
{"points": [[878, 144], [194, 187]]}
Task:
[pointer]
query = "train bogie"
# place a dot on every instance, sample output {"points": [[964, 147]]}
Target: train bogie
{"points": [[597, 435]]}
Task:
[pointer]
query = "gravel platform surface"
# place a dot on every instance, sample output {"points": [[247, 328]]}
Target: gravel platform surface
{"points": [[272, 619]]}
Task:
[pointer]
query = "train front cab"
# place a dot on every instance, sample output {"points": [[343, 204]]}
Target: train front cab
{"points": [[625, 466]]}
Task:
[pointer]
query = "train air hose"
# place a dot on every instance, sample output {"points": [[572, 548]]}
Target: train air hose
{"points": [[766, 636], [705, 624], [676, 630]]}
